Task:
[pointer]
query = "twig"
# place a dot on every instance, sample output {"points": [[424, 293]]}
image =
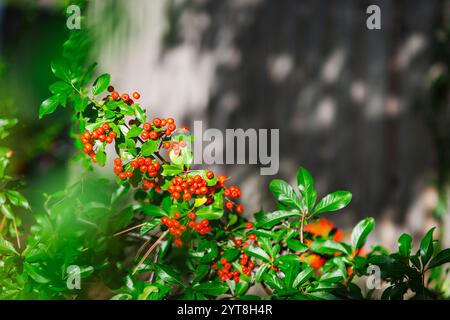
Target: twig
{"points": [[301, 227], [138, 253], [129, 229], [149, 251], [2, 224], [17, 232]]}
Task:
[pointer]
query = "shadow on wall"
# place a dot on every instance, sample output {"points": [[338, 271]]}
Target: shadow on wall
{"points": [[348, 101]]}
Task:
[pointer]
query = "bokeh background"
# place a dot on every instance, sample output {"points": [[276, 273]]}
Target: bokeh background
{"points": [[364, 110]]}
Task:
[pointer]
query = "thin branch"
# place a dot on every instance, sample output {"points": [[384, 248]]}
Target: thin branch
{"points": [[149, 251], [301, 227], [17, 232], [127, 230], [2, 224], [141, 248]]}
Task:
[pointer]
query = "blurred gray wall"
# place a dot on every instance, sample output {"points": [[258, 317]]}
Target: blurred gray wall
{"points": [[350, 102]]}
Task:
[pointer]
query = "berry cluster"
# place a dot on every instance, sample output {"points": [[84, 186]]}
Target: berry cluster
{"points": [[103, 133], [177, 228], [203, 227], [247, 265], [175, 146], [125, 96], [189, 186], [225, 271], [157, 128], [148, 167], [234, 193]]}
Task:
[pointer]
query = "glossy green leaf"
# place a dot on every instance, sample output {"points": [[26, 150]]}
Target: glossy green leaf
{"points": [[101, 84], [257, 252], [426, 246], [271, 218], [285, 194], [48, 106], [6, 247], [404, 245], [305, 183], [149, 147], [334, 201], [361, 231], [303, 276], [212, 288], [441, 258]]}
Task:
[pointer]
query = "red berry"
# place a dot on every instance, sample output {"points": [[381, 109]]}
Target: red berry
{"points": [[191, 215], [248, 225], [125, 97], [136, 95], [153, 135], [240, 208], [210, 174], [229, 205], [115, 95], [187, 196], [123, 176], [157, 122]]}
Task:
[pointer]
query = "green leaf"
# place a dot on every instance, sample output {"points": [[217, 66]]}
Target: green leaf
{"points": [[212, 288], [134, 132], [231, 254], [152, 210], [426, 246], [61, 70], [404, 245], [60, 87], [149, 226], [168, 274], [7, 212], [101, 84], [334, 201], [149, 147], [333, 277], [6, 247], [36, 273], [171, 170], [296, 245], [327, 247], [201, 272], [17, 199], [271, 218], [261, 271], [285, 193], [210, 212], [101, 155], [139, 113], [361, 231], [80, 103], [48, 106], [257, 253], [305, 183], [441, 258], [303, 276]]}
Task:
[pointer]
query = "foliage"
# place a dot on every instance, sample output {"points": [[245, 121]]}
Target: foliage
{"points": [[193, 240], [10, 197]]}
